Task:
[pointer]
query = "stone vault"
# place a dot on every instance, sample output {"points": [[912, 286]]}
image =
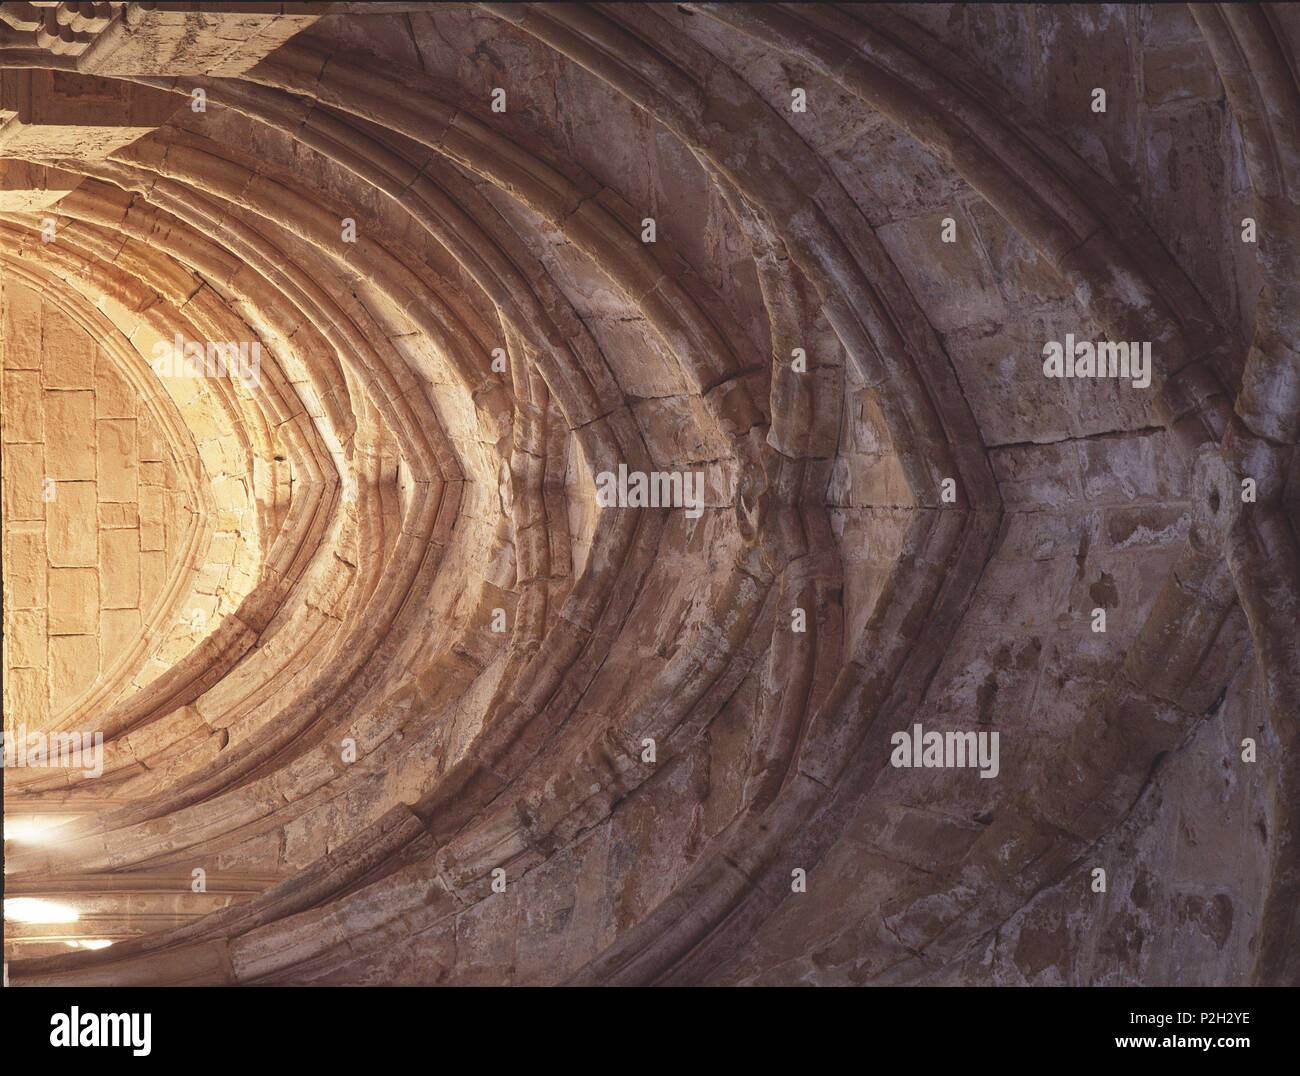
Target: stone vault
{"points": [[587, 493]]}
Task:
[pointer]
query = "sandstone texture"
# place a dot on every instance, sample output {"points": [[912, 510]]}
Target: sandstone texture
{"points": [[499, 485]]}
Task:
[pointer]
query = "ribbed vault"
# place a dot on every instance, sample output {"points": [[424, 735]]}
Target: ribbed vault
{"points": [[388, 694]]}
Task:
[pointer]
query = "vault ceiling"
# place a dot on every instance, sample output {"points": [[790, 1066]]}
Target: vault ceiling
{"points": [[331, 330]]}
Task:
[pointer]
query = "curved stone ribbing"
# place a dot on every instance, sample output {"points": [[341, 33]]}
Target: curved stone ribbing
{"points": [[443, 717]]}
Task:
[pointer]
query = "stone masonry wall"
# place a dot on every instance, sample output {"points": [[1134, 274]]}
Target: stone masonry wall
{"points": [[95, 514]]}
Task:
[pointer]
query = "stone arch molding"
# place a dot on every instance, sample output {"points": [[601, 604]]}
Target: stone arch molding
{"points": [[552, 494]]}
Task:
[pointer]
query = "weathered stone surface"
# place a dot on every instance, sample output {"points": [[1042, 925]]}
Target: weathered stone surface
{"points": [[70, 454], [29, 188], [24, 410], [70, 525], [74, 664], [56, 112], [314, 385], [24, 481], [71, 472], [73, 601]]}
